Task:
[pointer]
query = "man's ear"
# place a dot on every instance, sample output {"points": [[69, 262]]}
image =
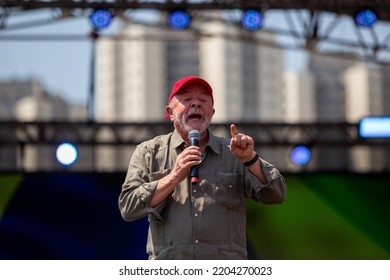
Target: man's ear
{"points": [[169, 110]]}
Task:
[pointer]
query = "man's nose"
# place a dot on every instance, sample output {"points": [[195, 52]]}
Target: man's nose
{"points": [[195, 103]]}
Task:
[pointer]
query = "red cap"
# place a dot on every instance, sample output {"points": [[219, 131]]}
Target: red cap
{"points": [[189, 80]]}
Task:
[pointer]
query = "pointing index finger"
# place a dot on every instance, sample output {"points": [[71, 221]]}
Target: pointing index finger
{"points": [[233, 130]]}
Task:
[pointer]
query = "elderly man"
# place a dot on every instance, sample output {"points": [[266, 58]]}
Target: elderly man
{"points": [[205, 220]]}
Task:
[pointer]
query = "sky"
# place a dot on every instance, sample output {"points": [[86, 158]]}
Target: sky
{"points": [[63, 66]]}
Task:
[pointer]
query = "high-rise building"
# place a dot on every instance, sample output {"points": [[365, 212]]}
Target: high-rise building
{"points": [[386, 106], [364, 97], [220, 60], [130, 85], [328, 71], [346, 91], [299, 98], [13, 91], [246, 75], [299, 106], [330, 98], [28, 101], [10, 93], [182, 59], [131, 76]]}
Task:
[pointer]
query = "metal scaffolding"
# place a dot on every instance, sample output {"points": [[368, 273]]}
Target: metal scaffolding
{"points": [[306, 25], [347, 7], [106, 147], [264, 134]]}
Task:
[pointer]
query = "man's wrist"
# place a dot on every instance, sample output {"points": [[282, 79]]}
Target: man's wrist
{"points": [[252, 161]]}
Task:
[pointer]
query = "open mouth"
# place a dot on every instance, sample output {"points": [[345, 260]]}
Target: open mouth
{"points": [[195, 117]]}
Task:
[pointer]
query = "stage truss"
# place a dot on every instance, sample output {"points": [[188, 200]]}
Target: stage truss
{"points": [[305, 25], [264, 134]]}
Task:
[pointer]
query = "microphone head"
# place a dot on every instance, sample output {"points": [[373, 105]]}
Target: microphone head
{"points": [[194, 134]]}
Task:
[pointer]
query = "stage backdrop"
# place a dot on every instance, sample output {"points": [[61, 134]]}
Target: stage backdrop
{"points": [[75, 216]]}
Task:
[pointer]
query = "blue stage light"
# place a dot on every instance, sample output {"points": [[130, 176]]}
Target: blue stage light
{"points": [[252, 20], [179, 20], [66, 154], [365, 18], [300, 155], [100, 19], [374, 127]]}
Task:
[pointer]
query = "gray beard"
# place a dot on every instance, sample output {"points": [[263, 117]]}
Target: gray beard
{"points": [[187, 128]]}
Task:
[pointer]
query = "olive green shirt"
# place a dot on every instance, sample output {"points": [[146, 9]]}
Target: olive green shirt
{"points": [[204, 221]]}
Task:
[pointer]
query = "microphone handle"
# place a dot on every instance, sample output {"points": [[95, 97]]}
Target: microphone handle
{"points": [[194, 169], [194, 175]]}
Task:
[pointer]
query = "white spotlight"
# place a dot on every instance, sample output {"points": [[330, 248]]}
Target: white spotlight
{"points": [[66, 154]]}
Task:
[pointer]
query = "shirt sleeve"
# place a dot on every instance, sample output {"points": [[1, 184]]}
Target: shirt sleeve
{"points": [[138, 188], [273, 192]]}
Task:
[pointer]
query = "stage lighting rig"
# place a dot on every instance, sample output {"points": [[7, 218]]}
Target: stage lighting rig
{"points": [[66, 154], [178, 20], [252, 20], [300, 155], [374, 127], [366, 18], [100, 19]]}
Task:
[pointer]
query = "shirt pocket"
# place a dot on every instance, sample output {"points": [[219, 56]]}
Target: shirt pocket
{"points": [[227, 190]]}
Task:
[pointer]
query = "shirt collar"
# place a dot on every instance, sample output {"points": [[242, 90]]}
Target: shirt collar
{"points": [[177, 141], [213, 143]]}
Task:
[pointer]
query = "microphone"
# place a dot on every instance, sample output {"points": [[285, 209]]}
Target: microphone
{"points": [[194, 136]]}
